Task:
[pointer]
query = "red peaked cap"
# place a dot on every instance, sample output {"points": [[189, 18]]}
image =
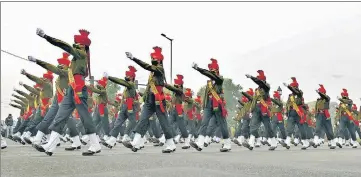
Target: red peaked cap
{"points": [[276, 94], [244, 99], [344, 93], [131, 72], [188, 92], [157, 54], [354, 107], [261, 75], [213, 65], [82, 38], [294, 82], [322, 89], [48, 75], [168, 97], [178, 80], [118, 97], [64, 60], [103, 82], [250, 91]]}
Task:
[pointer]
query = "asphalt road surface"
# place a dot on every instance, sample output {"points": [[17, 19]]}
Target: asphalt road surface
{"points": [[24, 161]]}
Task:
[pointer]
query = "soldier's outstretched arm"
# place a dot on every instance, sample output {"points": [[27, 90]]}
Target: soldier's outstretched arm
{"points": [[294, 91], [16, 106], [120, 82], [261, 83], [96, 90], [20, 98], [173, 89], [31, 89], [277, 102], [240, 102], [152, 68], [20, 103], [249, 97], [345, 101], [324, 96], [27, 96], [59, 43], [208, 74], [49, 66], [33, 78]]}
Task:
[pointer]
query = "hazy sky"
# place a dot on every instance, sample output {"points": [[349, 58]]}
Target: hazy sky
{"points": [[200, 31]]}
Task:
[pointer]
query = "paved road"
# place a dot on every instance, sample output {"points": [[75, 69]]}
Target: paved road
{"points": [[23, 161]]}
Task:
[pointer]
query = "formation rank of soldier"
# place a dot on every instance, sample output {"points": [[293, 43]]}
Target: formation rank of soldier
{"points": [[72, 115]]}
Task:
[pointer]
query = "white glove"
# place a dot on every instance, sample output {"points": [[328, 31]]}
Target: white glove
{"points": [[23, 71], [194, 65], [129, 55], [31, 58], [20, 83], [250, 115], [237, 106], [105, 74], [338, 97], [40, 32], [248, 76], [286, 85]]}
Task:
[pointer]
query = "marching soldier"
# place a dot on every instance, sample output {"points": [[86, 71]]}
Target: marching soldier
{"points": [[260, 111], [77, 94], [238, 139], [153, 102], [101, 113], [176, 113], [323, 118], [189, 109], [308, 126], [127, 107], [213, 106], [296, 116], [357, 119], [61, 84], [277, 117], [346, 117]]}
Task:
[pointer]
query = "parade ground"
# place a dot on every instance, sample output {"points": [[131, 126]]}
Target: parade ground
{"points": [[23, 161]]}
